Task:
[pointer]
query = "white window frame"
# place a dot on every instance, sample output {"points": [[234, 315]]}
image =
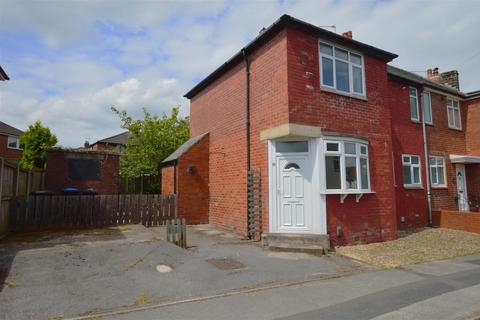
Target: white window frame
{"points": [[427, 107], [410, 96], [419, 166], [9, 140], [451, 106], [436, 167], [350, 69], [341, 153]]}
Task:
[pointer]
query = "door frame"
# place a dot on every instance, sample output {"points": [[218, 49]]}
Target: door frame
{"points": [[461, 167], [318, 200]]}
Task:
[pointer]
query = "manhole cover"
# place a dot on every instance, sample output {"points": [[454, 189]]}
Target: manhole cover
{"points": [[163, 268], [226, 264]]}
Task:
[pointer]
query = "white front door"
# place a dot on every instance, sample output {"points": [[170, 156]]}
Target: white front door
{"points": [[294, 193], [461, 188]]}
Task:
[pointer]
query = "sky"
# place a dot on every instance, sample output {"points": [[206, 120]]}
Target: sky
{"points": [[70, 61]]}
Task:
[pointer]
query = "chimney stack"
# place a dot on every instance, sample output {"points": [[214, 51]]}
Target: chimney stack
{"points": [[86, 145], [348, 34], [449, 78]]}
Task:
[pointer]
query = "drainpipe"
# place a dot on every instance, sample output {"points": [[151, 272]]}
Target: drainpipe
{"points": [[247, 123], [427, 169]]}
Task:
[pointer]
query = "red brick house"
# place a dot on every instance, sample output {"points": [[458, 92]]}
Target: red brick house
{"points": [[82, 169], [336, 135], [10, 142]]}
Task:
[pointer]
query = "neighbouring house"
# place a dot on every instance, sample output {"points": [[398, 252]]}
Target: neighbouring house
{"points": [[82, 169], [342, 146], [10, 142], [116, 143]]}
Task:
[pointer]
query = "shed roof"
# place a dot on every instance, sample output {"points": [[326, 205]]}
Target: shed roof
{"points": [[121, 138], [9, 130], [276, 27], [184, 148]]}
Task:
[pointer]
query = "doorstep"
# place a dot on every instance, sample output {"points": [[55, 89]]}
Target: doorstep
{"points": [[317, 244]]}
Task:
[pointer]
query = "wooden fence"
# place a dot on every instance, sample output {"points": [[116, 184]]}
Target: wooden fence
{"points": [[16, 182], [90, 211], [177, 232]]}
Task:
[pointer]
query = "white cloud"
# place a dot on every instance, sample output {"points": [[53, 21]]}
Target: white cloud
{"points": [[148, 53]]}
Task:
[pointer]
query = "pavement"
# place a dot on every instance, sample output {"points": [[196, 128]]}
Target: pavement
{"points": [[63, 275]]}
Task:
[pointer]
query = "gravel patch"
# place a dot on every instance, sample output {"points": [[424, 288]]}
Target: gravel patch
{"points": [[421, 246]]}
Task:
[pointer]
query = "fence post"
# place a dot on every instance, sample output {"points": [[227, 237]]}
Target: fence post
{"points": [[15, 179], [29, 182]]}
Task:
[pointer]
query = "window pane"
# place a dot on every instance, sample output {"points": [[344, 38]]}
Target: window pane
{"points": [[427, 107], [413, 108], [355, 58], [341, 69], [457, 119], [440, 175], [407, 179], [413, 92], [440, 161], [351, 172], [450, 118], [416, 175], [415, 160], [363, 149], [432, 160], [292, 146], [364, 172], [332, 170], [332, 146], [326, 49], [12, 142], [434, 175], [406, 159], [342, 54], [327, 71], [357, 80], [350, 148]]}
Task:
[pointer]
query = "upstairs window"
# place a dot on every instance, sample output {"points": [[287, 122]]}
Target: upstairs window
{"points": [[427, 107], [346, 166], [341, 70], [454, 117], [414, 114], [437, 171], [13, 142], [411, 171]]}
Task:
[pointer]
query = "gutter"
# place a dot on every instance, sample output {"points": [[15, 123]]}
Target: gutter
{"points": [[427, 170], [247, 120]]}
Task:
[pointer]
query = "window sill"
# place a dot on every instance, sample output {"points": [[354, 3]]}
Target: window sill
{"points": [[345, 94], [19, 149], [344, 194], [456, 129], [439, 187], [413, 187], [415, 121]]}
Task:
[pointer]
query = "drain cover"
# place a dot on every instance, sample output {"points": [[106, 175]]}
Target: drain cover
{"points": [[226, 264], [163, 268]]}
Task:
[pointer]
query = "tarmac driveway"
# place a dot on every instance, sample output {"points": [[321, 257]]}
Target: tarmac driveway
{"points": [[61, 275]]}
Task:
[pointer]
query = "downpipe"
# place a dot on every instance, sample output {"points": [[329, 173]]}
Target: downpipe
{"points": [[427, 161], [247, 124]]}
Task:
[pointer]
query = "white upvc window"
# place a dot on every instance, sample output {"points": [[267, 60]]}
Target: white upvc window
{"points": [[454, 116], [13, 142], [412, 176], [437, 171], [427, 107], [346, 167], [414, 113], [341, 69]]}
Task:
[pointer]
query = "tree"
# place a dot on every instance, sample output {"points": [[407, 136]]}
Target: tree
{"points": [[150, 141], [35, 141]]}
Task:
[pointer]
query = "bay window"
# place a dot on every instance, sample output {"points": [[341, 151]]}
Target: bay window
{"points": [[341, 70], [346, 167]]}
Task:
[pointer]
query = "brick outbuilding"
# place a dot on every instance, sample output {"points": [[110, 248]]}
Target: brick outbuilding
{"points": [[336, 137]]}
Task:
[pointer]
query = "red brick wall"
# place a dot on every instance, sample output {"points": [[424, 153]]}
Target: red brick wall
{"points": [[7, 153], [168, 182], [192, 178], [473, 127], [407, 138], [374, 216], [220, 110], [443, 141], [56, 177], [457, 220]]}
